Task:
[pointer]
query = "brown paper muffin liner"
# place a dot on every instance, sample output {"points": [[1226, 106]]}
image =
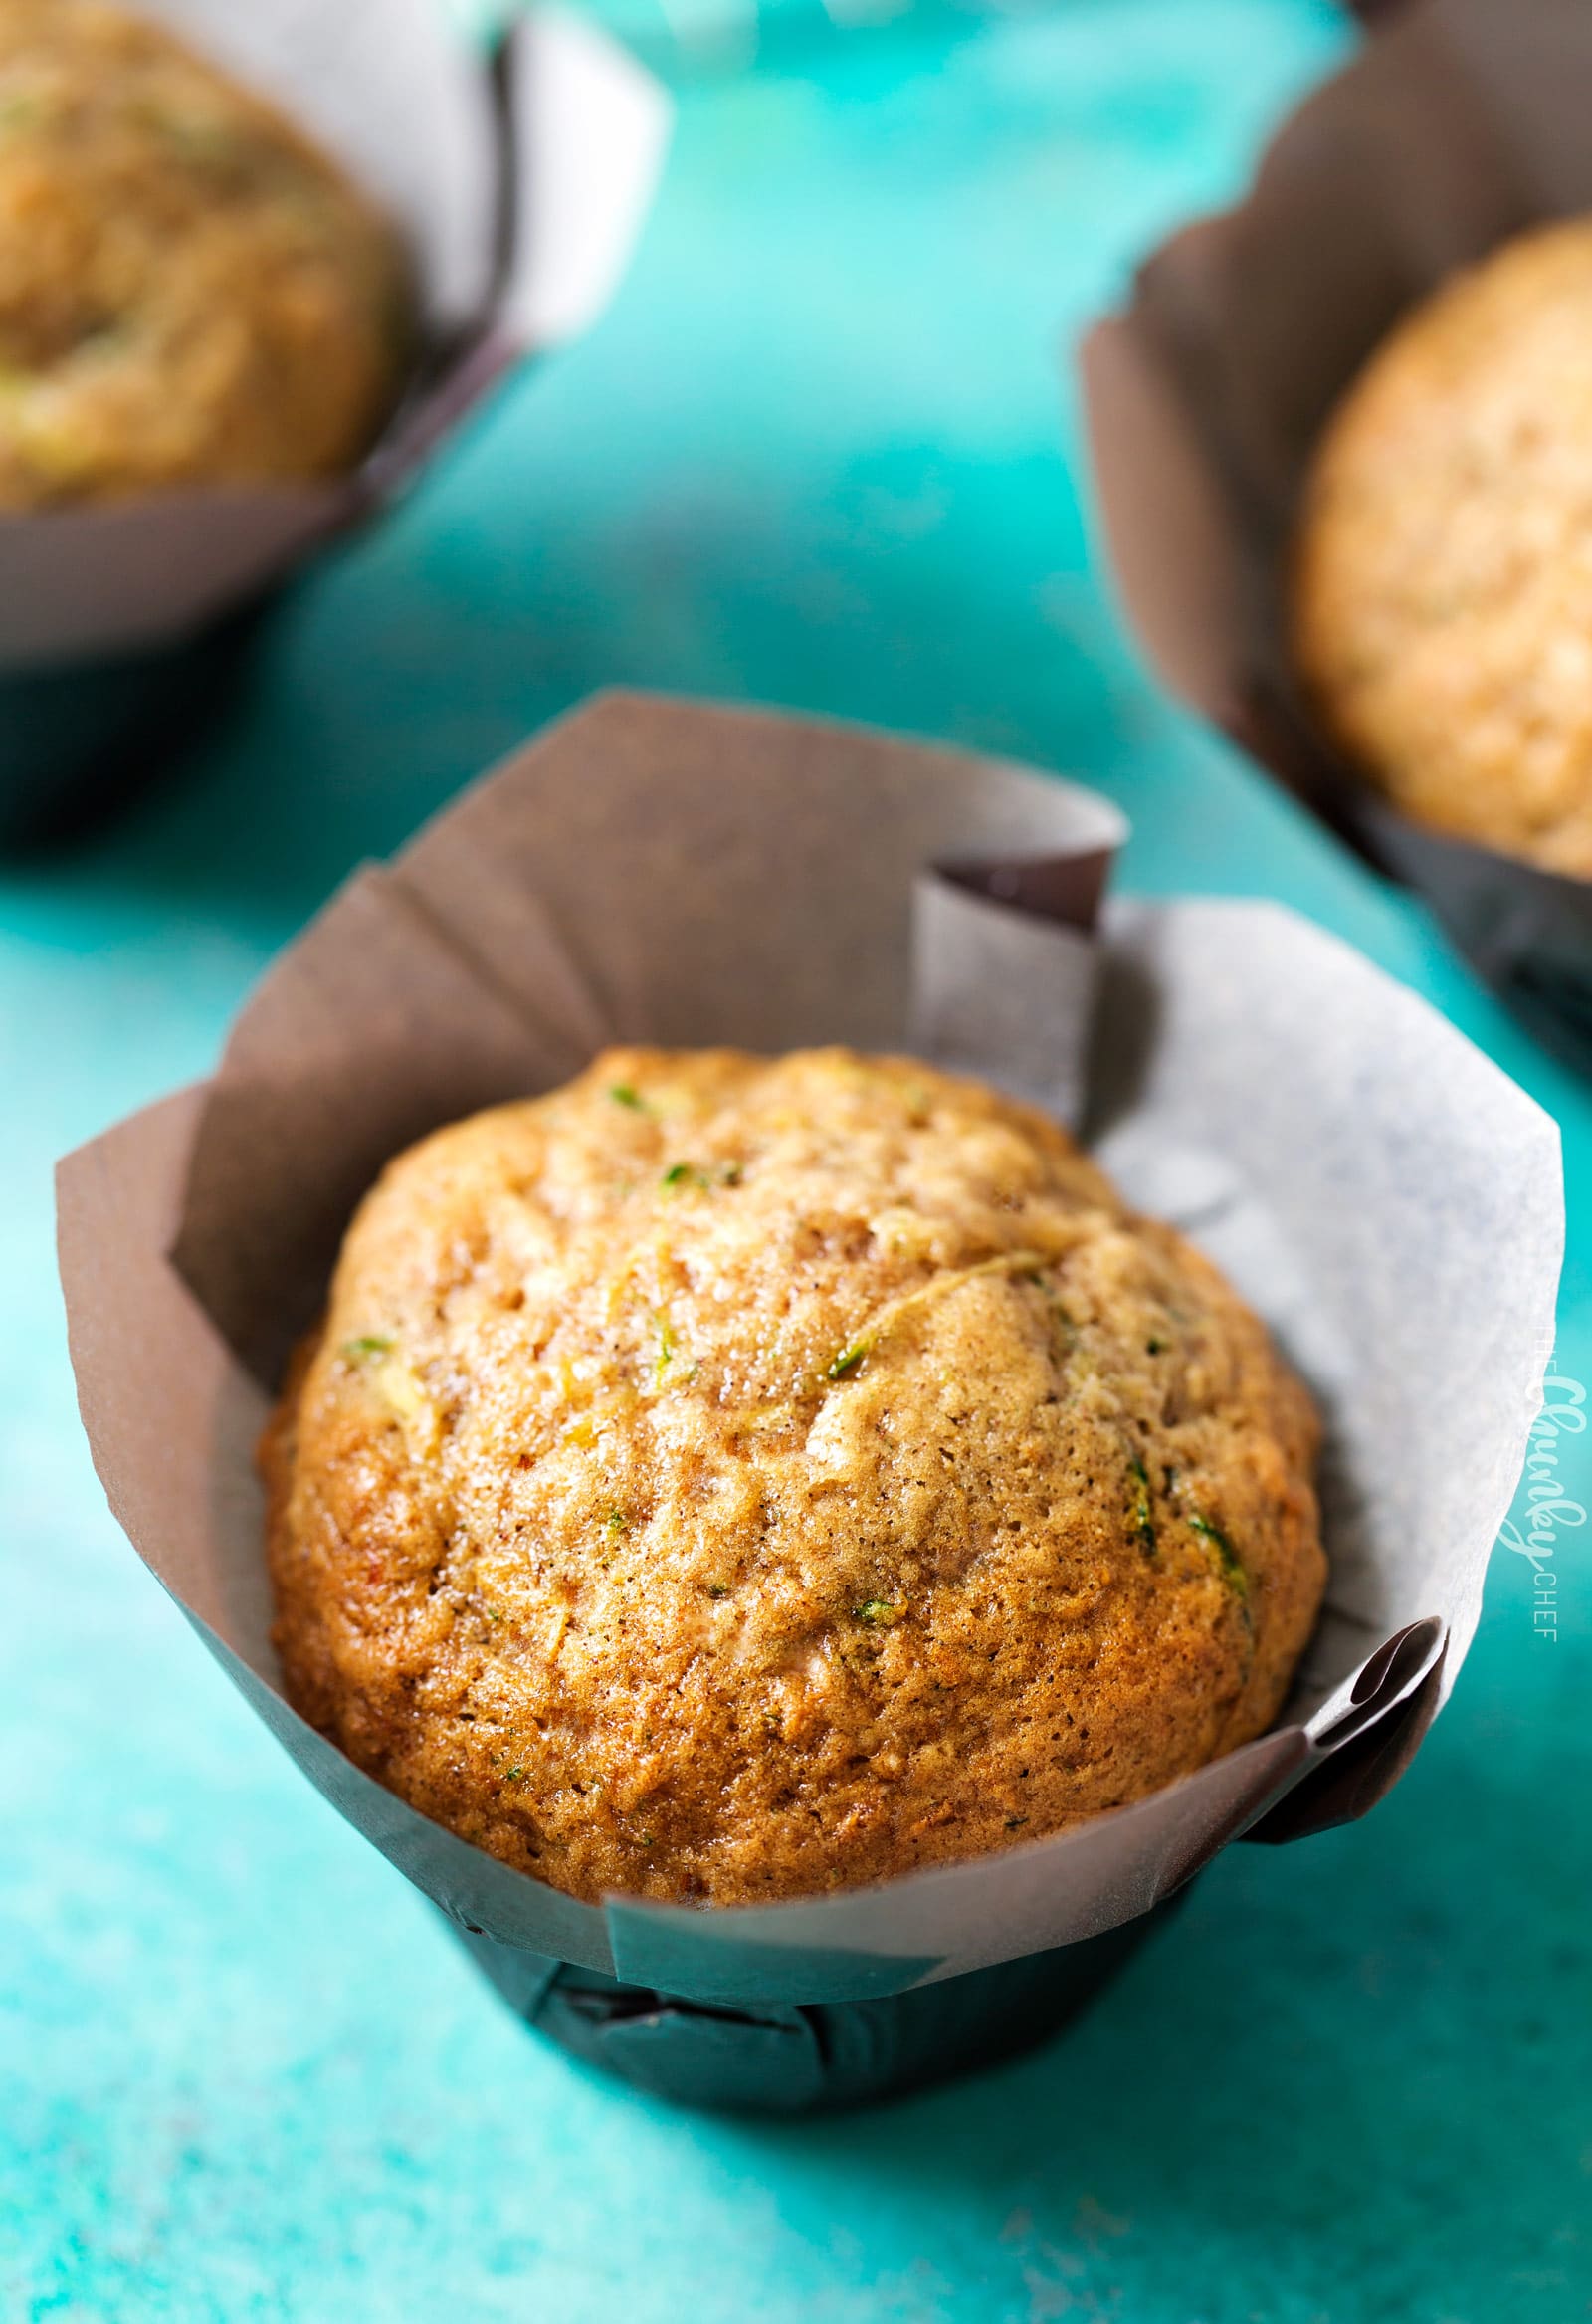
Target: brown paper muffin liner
{"points": [[657, 870], [1459, 124]]}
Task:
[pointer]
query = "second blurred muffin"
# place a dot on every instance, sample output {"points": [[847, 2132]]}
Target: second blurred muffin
{"points": [[190, 292], [1443, 584]]}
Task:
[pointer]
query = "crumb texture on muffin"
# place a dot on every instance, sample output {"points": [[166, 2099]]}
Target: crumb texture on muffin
{"points": [[729, 1479], [189, 290], [1443, 579]]}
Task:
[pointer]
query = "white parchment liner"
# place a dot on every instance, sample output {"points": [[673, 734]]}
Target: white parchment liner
{"points": [[521, 182], [652, 870]]}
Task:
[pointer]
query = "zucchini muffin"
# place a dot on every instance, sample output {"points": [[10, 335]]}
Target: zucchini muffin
{"points": [[1442, 586], [189, 292], [731, 1479]]}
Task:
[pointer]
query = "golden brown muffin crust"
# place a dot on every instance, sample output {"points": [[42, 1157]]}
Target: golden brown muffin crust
{"points": [[729, 1478], [189, 290], [1443, 583]]}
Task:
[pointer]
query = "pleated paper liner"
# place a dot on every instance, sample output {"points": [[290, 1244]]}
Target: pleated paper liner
{"points": [[1458, 124], [663, 872]]}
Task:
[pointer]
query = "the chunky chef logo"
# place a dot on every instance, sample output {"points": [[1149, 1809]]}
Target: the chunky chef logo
{"points": [[1543, 1508]]}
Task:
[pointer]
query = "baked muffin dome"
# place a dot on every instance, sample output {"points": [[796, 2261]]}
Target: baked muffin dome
{"points": [[731, 1479], [189, 290], [1443, 599]]}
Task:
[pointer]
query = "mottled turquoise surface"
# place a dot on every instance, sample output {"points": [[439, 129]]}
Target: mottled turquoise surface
{"points": [[815, 455]]}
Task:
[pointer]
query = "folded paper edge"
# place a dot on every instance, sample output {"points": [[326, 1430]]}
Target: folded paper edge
{"points": [[1126, 387]]}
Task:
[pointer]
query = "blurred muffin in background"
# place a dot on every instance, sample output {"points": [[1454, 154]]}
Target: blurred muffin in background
{"points": [[190, 292], [1443, 579]]}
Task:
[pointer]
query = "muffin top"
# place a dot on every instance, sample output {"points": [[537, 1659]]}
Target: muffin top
{"points": [[189, 292], [1442, 598], [729, 1479]]}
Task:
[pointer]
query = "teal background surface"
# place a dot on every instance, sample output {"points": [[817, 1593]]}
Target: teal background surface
{"points": [[819, 453]]}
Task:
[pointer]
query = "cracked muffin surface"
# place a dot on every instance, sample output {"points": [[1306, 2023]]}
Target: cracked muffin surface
{"points": [[1442, 573], [190, 291], [728, 1478]]}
